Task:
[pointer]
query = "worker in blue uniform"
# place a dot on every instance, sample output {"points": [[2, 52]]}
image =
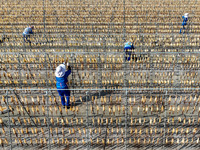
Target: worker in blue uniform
{"points": [[129, 52], [26, 34], [185, 19], [61, 83]]}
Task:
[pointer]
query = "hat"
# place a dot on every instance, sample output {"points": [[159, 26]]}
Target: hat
{"points": [[60, 71], [186, 15]]}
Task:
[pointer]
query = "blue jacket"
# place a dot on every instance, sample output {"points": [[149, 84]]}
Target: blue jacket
{"points": [[61, 83], [184, 21], [28, 31], [128, 48]]}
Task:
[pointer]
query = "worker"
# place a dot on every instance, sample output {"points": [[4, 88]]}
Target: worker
{"points": [[26, 34], [185, 19], [128, 48], [61, 83]]}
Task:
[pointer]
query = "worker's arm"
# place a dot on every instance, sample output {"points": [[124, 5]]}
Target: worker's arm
{"points": [[68, 72], [132, 46], [186, 19], [30, 31], [68, 68]]}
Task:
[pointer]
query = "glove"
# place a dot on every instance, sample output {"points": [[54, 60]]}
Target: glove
{"points": [[67, 64]]}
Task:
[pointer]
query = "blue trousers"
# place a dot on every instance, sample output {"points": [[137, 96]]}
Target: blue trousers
{"points": [[62, 94], [183, 24], [183, 29], [26, 38]]}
